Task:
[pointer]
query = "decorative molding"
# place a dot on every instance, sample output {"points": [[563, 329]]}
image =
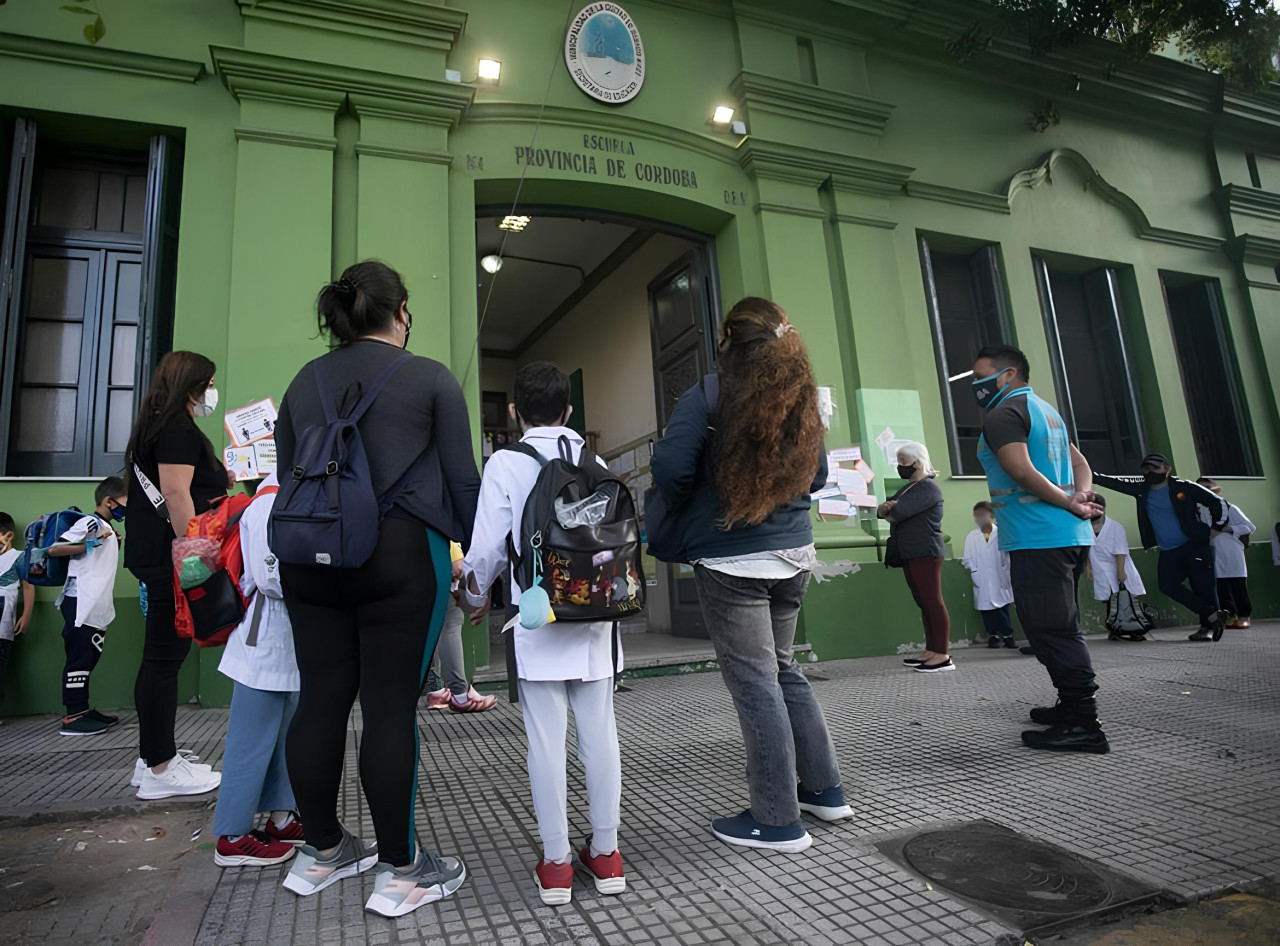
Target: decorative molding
{"points": [[863, 220], [788, 99], [413, 22], [977, 200], [1255, 284], [403, 154], [291, 139], [797, 26], [253, 75], [717, 8], [1250, 202], [591, 122], [1260, 250], [1042, 173], [97, 57], [790, 209], [776, 160]]}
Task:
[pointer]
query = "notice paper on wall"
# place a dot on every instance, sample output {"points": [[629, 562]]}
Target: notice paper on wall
{"points": [[834, 508], [848, 486], [826, 405], [264, 456], [256, 421], [241, 462]]}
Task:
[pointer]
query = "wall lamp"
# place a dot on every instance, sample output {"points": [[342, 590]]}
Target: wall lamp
{"points": [[722, 119], [488, 72]]}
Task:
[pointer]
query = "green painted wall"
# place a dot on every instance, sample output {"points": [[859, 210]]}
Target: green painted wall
{"points": [[312, 141]]}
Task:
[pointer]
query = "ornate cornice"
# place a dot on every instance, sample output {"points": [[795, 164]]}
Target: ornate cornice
{"points": [[292, 139], [255, 75], [977, 200], [1250, 202], [774, 20], [97, 57], [1042, 173], [791, 210], [587, 120], [414, 22], [1250, 248], [847, 110], [865, 220], [776, 160]]}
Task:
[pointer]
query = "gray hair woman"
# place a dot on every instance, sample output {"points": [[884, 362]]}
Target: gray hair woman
{"points": [[914, 514]]}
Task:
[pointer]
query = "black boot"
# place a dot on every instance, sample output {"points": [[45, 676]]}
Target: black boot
{"points": [[1203, 634], [1077, 731], [1048, 715]]}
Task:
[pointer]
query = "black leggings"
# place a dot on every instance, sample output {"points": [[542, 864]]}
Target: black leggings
{"points": [[370, 630], [155, 692]]}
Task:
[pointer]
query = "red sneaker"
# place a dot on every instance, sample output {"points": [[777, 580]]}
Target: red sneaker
{"points": [[438, 699], [606, 870], [254, 849], [291, 833], [555, 882]]}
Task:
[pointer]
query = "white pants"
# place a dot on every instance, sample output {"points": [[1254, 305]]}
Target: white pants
{"points": [[545, 704]]}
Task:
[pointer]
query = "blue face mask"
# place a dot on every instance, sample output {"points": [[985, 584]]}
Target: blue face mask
{"points": [[987, 390], [118, 513]]}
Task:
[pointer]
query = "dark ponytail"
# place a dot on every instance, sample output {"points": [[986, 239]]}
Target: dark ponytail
{"points": [[363, 301]]}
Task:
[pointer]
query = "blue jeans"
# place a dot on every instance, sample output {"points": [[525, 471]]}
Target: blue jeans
{"points": [[752, 625], [254, 776], [998, 623]]}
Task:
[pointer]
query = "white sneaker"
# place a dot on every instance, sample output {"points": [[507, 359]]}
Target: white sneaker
{"points": [[180, 778], [140, 766]]}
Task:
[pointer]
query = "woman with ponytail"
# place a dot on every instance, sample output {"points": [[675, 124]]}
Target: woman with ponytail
{"points": [[742, 490], [371, 630], [174, 475]]}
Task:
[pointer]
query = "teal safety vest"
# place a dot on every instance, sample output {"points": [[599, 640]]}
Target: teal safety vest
{"points": [[1027, 521]]}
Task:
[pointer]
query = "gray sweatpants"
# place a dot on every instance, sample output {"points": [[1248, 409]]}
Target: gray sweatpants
{"points": [[545, 704], [448, 656]]}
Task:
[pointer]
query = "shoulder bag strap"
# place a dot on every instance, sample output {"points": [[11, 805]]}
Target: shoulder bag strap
{"points": [[152, 492]]}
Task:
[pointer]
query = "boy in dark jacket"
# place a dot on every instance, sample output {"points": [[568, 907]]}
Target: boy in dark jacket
{"points": [[1169, 517]]}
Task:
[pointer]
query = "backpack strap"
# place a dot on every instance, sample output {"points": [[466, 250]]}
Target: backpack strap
{"points": [[528, 450], [366, 400], [711, 393]]}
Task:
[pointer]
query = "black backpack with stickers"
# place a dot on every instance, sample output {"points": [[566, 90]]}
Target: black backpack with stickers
{"points": [[580, 538]]}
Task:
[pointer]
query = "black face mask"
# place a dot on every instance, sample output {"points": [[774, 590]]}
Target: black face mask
{"points": [[906, 472], [1153, 478]]}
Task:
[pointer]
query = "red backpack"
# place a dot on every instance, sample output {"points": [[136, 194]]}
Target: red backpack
{"points": [[211, 610]]}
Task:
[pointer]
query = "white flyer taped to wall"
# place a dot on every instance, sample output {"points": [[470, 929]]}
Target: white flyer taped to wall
{"points": [[256, 421], [852, 483], [826, 405], [846, 454], [264, 456], [833, 507]]}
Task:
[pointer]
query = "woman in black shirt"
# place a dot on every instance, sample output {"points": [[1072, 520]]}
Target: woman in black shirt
{"points": [[914, 514], [372, 630], [174, 475]]}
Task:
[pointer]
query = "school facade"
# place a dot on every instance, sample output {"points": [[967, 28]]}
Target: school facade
{"points": [[192, 180]]}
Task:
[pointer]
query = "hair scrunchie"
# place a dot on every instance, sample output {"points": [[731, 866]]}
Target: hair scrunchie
{"points": [[346, 286]]}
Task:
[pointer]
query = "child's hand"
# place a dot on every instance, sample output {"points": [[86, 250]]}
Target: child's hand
{"points": [[20, 625]]}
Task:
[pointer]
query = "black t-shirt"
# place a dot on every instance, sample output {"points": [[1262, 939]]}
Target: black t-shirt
{"points": [[180, 442], [1006, 423]]}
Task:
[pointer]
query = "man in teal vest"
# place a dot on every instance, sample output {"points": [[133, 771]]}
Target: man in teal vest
{"points": [[1041, 490]]}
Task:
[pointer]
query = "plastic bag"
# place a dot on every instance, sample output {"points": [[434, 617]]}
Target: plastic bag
{"points": [[195, 560], [586, 512]]}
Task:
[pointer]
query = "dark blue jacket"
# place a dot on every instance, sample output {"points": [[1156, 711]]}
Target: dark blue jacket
{"points": [[680, 474]]}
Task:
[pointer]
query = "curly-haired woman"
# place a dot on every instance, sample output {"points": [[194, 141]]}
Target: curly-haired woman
{"points": [[743, 491]]}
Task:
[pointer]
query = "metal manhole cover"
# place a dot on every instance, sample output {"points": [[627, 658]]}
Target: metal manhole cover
{"points": [[1025, 883]]}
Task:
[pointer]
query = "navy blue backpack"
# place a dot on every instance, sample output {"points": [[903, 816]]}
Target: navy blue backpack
{"points": [[327, 512]]}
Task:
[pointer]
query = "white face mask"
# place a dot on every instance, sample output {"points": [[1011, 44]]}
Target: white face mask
{"points": [[209, 404]]}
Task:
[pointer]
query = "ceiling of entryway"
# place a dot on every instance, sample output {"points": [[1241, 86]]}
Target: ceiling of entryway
{"points": [[545, 269]]}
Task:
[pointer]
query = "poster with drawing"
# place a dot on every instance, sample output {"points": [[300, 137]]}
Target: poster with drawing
{"points": [[251, 423]]}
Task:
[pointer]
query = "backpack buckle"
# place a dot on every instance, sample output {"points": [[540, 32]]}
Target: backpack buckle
{"points": [[298, 472], [331, 468]]}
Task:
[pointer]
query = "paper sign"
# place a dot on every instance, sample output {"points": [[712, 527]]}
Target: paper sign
{"points": [[255, 421], [846, 454], [827, 492], [833, 507], [886, 436], [240, 461], [865, 500], [868, 474], [826, 406], [852, 482], [264, 456]]}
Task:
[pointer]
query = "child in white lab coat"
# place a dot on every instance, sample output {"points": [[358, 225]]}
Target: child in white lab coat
{"points": [[11, 623], [87, 603], [989, 568], [561, 665], [1229, 563], [259, 659]]}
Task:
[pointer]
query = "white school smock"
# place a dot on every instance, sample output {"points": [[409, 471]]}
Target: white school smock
{"points": [[10, 585], [561, 650], [94, 572], [266, 662], [989, 568], [1228, 547], [1111, 541]]}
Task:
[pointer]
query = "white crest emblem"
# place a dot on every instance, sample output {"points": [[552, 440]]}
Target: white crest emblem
{"points": [[603, 53]]}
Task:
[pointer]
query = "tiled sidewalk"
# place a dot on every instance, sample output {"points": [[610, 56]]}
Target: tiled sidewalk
{"points": [[1189, 799]]}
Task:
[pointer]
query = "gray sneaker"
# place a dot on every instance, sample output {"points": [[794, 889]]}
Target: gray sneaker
{"points": [[397, 891], [311, 874]]}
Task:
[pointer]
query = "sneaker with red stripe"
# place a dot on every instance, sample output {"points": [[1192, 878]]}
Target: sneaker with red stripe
{"points": [[291, 833], [254, 849], [606, 870], [555, 882]]}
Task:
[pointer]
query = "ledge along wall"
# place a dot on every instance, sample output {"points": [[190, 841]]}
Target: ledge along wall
{"points": [[312, 142]]}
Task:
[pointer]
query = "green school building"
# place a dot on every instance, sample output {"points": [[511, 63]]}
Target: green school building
{"points": [[596, 183]]}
